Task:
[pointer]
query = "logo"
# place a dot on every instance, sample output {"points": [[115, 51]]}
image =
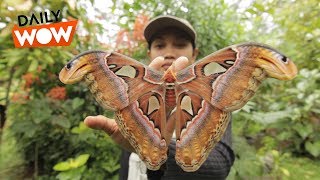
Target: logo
{"points": [[49, 33]]}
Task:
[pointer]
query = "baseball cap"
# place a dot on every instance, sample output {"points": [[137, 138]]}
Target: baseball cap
{"points": [[164, 21]]}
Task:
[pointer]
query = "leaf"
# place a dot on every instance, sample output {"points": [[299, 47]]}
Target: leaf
{"points": [[33, 66], [270, 117], [61, 121], [77, 102], [259, 7], [40, 112], [285, 171], [80, 160], [251, 11], [62, 166], [79, 129], [275, 153], [15, 56], [49, 60], [110, 167], [72, 163], [313, 148], [303, 130], [73, 174], [249, 107], [22, 69]]}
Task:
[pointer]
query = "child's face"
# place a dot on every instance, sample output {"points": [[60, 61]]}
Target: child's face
{"points": [[171, 44]]}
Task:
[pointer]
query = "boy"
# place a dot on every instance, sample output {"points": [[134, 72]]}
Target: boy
{"points": [[169, 38]]}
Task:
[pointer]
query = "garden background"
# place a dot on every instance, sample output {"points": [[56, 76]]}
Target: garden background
{"points": [[275, 136]]}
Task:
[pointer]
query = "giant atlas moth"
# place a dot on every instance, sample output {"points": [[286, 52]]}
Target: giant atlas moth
{"points": [[202, 95]]}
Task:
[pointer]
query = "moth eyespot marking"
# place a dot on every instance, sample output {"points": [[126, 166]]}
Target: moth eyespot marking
{"points": [[111, 66], [127, 71], [230, 62], [153, 104], [213, 68], [186, 105]]}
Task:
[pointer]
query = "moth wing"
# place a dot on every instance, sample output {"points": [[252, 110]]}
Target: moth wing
{"points": [[199, 126], [143, 123]]}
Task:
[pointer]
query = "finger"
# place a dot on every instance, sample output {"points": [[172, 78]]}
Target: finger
{"points": [[101, 123], [181, 63], [110, 127], [157, 62]]}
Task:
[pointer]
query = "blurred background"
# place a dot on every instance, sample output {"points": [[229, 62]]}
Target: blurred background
{"points": [[275, 136]]}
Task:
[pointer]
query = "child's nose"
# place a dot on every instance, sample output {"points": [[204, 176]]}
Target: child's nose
{"points": [[169, 54]]}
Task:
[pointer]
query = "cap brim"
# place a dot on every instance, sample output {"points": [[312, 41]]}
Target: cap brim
{"points": [[167, 21]]}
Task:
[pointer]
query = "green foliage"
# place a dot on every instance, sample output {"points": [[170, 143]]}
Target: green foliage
{"points": [[214, 29], [290, 117], [72, 168], [284, 117], [248, 163], [285, 121], [48, 135], [72, 163], [44, 118], [11, 161]]}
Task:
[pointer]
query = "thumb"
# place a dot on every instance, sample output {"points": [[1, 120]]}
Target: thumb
{"points": [[101, 123]]}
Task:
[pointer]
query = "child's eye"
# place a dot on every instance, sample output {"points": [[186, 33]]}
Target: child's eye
{"points": [[182, 44], [159, 46]]}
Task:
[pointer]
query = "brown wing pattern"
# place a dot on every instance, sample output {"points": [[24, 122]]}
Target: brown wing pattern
{"points": [[133, 90], [143, 124], [206, 93], [200, 76], [199, 127], [209, 90], [139, 78]]}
